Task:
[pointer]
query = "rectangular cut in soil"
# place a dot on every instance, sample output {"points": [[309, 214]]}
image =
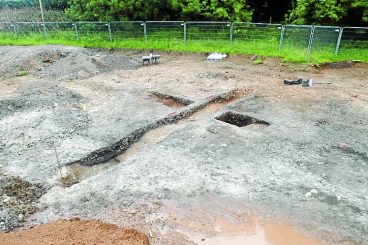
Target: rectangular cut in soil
{"points": [[171, 101], [240, 120]]}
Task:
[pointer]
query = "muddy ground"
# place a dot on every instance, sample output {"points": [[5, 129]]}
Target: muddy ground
{"points": [[154, 147]]}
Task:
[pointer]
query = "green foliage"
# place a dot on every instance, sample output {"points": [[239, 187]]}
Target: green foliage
{"points": [[327, 12], [107, 10], [21, 73], [319, 12], [226, 10], [363, 6], [269, 10], [258, 61], [60, 5]]}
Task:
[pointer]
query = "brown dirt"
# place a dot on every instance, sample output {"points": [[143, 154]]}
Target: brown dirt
{"points": [[196, 82], [224, 226], [169, 102], [75, 231]]}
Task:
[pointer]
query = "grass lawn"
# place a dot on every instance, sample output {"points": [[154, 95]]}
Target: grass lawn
{"points": [[291, 52]]}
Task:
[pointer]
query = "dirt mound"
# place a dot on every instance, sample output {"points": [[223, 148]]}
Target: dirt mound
{"points": [[33, 119], [39, 95], [18, 200], [60, 63], [76, 231]]}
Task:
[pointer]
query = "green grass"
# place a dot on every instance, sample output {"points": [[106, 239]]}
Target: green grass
{"points": [[258, 61], [21, 73], [291, 52]]}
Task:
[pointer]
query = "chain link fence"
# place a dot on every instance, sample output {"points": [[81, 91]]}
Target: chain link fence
{"points": [[94, 31], [61, 30], [127, 30], [295, 37], [164, 31], [325, 39], [207, 34], [253, 37], [256, 36], [8, 30], [211, 31], [353, 38], [34, 29]]}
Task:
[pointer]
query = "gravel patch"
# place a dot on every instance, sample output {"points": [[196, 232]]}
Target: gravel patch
{"points": [[18, 200]]}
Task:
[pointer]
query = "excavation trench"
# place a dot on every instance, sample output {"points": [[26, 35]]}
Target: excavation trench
{"points": [[149, 134], [170, 100], [240, 120]]}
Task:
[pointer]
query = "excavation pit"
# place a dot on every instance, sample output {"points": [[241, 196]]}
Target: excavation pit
{"points": [[170, 100], [240, 120]]}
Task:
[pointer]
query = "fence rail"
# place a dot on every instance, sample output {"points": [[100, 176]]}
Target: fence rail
{"points": [[254, 36]]}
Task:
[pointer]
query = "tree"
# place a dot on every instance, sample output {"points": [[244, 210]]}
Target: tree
{"points": [[55, 4], [224, 10], [329, 12], [105, 10], [108, 10], [361, 5], [265, 11]]}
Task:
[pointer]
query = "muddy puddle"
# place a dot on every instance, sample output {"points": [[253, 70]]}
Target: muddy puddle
{"points": [[268, 234], [255, 233], [226, 221]]}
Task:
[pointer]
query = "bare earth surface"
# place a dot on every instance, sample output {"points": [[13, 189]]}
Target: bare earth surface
{"points": [[92, 134], [76, 232]]}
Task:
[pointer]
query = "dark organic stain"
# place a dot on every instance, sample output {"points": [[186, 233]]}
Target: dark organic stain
{"points": [[240, 120]]}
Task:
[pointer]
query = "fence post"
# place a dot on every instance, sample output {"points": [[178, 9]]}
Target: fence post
{"points": [[185, 34], [14, 28], [145, 31], [310, 43], [231, 33], [44, 30], [281, 37], [339, 41], [76, 30], [110, 34]]}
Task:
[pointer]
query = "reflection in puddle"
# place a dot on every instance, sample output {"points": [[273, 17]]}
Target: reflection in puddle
{"points": [[259, 234]]}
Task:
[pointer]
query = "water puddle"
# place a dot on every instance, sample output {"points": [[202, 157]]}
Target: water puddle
{"points": [[256, 239], [254, 233]]}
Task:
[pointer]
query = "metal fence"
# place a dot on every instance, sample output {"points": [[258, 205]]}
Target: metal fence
{"points": [[304, 39], [257, 35]]}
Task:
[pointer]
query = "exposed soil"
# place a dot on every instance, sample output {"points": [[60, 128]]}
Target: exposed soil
{"points": [[92, 134], [240, 120], [75, 231], [18, 200], [60, 63], [171, 101]]}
